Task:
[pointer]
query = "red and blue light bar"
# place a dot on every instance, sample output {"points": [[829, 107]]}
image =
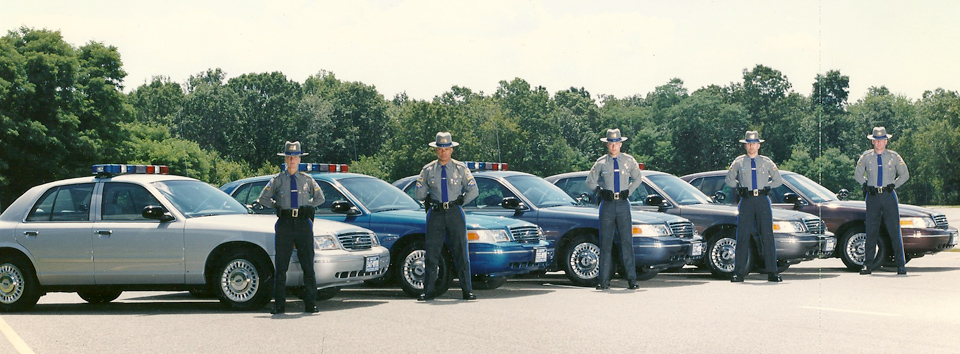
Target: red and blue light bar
{"points": [[488, 166], [118, 169], [319, 167]]}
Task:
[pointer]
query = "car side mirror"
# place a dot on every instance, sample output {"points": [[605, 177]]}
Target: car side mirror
{"points": [[844, 194], [719, 196], [657, 201], [512, 203], [793, 199], [156, 212], [585, 198], [344, 207]]}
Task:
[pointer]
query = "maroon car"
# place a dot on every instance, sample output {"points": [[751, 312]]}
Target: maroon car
{"points": [[924, 230]]}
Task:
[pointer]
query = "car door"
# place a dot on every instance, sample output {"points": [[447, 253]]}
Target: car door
{"points": [[58, 234], [131, 249]]}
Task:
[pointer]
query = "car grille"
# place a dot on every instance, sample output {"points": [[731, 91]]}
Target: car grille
{"points": [[356, 240], [682, 229], [941, 221], [814, 226], [525, 234]]}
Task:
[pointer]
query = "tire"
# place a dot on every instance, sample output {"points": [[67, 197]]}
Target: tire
{"points": [[646, 273], [721, 255], [852, 245], [99, 296], [327, 293], [581, 261], [243, 281], [486, 282], [411, 270], [19, 288]]}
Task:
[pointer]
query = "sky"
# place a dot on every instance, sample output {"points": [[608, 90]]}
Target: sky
{"points": [[423, 48]]}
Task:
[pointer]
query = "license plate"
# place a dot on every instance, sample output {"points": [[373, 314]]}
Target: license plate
{"points": [[541, 256], [696, 249], [371, 264]]}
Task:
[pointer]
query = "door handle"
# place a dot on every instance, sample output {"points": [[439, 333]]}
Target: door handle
{"points": [[105, 232], [31, 233]]}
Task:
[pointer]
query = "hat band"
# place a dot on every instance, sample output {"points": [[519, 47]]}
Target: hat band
{"points": [[752, 140], [444, 145]]}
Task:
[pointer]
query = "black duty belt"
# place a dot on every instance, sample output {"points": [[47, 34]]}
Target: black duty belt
{"points": [[610, 195], [434, 204], [302, 212], [754, 193], [880, 190]]}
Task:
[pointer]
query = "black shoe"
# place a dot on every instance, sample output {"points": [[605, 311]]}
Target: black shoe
{"points": [[424, 297], [736, 279], [602, 287], [469, 296], [901, 271], [633, 285], [774, 278], [865, 270], [310, 308], [277, 309]]}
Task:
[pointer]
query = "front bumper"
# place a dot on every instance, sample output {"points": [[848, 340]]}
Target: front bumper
{"points": [[340, 267], [658, 253], [918, 242], [797, 247], [509, 258]]}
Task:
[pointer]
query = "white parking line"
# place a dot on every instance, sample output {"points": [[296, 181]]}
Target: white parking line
{"points": [[849, 311], [14, 339]]}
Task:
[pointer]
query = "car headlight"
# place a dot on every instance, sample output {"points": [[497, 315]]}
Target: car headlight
{"points": [[917, 222], [486, 235], [374, 240], [540, 234], [788, 226], [650, 230], [325, 242]]}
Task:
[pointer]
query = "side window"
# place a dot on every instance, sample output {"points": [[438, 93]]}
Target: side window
{"points": [[64, 203], [491, 194], [330, 195], [576, 186], [640, 195], [125, 201], [250, 192], [776, 195], [411, 189]]}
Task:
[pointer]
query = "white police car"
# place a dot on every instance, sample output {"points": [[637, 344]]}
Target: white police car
{"points": [[133, 227]]}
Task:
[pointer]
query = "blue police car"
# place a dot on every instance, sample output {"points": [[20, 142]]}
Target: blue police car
{"points": [[498, 247], [660, 240]]}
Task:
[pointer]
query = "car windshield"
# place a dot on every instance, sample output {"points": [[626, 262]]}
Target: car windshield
{"points": [[682, 192], [809, 188], [377, 195], [196, 198], [540, 192]]}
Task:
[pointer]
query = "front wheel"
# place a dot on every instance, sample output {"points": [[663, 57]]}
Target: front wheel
{"points": [[412, 270], [581, 262], [721, 255], [486, 282], [243, 281], [853, 249], [19, 288], [99, 296], [646, 273], [327, 293]]}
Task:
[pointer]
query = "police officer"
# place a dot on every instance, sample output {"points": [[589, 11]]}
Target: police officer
{"points": [[881, 172], [293, 194], [753, 175], [444, 185], [616, 175]]}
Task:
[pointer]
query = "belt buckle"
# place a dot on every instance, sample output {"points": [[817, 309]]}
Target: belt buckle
{"points": [[446, 205], [756, 192], [879, 189], [294, 212], [616, 195]]}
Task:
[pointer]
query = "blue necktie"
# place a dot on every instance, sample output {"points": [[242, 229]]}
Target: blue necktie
{"points": [[294, 199], [753, 172], [616, 176], [879, 171], [443, 183]]}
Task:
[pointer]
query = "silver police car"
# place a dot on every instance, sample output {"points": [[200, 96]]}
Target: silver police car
{"points": [[131, 227]]}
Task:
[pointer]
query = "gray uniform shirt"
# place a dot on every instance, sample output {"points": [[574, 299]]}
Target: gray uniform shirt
{"points": [[894, 169], [459, 181], [740, 173], [602, 174], [276, 194]]}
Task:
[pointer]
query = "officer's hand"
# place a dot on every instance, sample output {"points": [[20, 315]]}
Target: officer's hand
{"points": [[460, 200], [624, 194], [890, 186], [766, 189], [742, 191]]}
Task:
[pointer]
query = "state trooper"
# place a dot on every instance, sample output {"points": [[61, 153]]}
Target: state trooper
{"points": [[616, 175], [881, 172], [294, 194], [753, 175], [444, 185]]}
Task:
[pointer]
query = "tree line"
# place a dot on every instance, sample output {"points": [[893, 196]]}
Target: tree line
{"points": [[62, 109]]}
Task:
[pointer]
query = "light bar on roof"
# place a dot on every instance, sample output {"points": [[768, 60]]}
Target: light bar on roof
{"points": [[117, 169], [490, 166], [319, 167]]}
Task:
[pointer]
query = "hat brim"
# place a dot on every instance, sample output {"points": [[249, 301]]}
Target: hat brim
{"points": [[747, 142], [286, 154], [623, 138], [452, 144], [885, 137]]}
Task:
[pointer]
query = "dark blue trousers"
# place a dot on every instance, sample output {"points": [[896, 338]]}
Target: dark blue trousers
{"points": [[446, 224], [755, 223], [883, 209], [294, 232], [616, 223]]}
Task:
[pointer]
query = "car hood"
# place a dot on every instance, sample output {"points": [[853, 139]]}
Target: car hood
{"points": [[716, 209], [250, 223], [905, 209], [647, 217], [473, 221]]}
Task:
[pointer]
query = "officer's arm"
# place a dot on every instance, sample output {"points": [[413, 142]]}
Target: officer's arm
{"points": [[775, 179], [902, 174], [471, 185], [267, 194], [635, 177], [316, 198], [593, 176], [859, 173], [421, 188], [731, 179]]}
